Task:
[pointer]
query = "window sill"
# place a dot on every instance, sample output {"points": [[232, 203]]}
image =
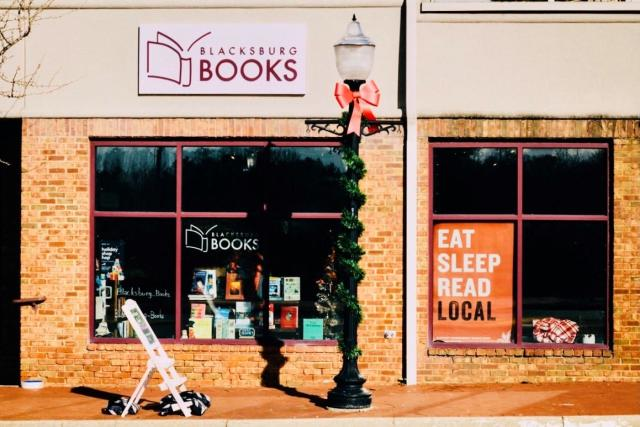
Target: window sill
{"points": [[171, 342], [529, 11], [526, 350]]}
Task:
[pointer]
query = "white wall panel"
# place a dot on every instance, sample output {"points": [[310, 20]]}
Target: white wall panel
{"points": [[528, 69], [94, 53]]}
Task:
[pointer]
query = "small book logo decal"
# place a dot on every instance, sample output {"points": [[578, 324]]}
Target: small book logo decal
{"points": [[195, 238], [167, 60]]}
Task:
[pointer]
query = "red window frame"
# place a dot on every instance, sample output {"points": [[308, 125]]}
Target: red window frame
{"points": [[518, 219], [178, 215]]}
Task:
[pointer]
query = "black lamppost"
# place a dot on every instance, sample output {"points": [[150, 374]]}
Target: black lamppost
{"points": [[354, 60]]}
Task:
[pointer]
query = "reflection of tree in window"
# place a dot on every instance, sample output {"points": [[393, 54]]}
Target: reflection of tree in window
{"points": [[221, 179], [565, 181], [306, 180], [135, 178], [478, 180]]}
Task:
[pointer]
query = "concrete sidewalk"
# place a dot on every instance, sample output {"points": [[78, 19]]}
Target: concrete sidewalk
{"points": [[574, 404]]}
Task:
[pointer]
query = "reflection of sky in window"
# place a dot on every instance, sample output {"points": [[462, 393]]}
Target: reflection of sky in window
{"points": [[199, 154], [135, 159], [326, 155], [484, 155], [579, 154]]}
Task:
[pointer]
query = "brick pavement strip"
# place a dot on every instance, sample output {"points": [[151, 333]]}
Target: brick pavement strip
{"points": [[526, 405], [559, 421]]}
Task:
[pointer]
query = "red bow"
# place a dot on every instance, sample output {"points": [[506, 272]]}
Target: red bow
{"points": [[368, 93]]}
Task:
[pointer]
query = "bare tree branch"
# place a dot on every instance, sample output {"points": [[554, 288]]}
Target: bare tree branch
{"points": [[16, 22]]}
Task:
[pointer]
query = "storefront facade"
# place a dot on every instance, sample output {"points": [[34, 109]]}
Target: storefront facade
{"points": [[549, 240], [218, 211]]}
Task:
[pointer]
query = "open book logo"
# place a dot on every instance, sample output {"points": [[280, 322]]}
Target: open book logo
{"points": [[167, 60], [195, 238]]}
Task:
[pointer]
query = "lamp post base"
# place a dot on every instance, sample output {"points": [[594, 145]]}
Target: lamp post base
{"points": [[349, 392], [349, 399]]}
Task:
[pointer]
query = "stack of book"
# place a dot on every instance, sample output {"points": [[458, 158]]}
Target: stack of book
{"points": [[202, 324]]}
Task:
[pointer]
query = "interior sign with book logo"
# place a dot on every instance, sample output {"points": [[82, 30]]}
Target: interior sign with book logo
{"points": [[213, 240], [222, 59], [473, 282]]}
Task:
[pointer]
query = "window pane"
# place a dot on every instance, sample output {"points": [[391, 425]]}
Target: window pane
{"points": [[135, 259], [221, 179], [475, 180], [222, 278], [565, 181], [564, 276], [306, 180], [301, 286], [136, 179]]}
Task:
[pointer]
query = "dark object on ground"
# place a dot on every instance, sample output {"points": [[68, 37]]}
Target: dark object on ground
{"points": [[116, 407], [197, 402]]}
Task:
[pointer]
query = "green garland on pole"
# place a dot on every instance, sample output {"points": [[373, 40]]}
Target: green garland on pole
{"points": [[348, 251]]}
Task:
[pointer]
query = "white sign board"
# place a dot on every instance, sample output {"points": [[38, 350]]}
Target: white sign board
{"points": [[222, 59], [158, 361]]}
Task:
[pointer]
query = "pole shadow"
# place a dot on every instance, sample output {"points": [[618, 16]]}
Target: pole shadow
{"points": [[95, 393], [271, 352], [109, 396]]}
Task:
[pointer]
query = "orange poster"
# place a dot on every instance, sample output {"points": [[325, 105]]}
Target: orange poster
{"points": [[473, 282]]}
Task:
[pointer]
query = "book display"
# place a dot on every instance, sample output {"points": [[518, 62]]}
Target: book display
{"points": [[272, 323], [219, 315], [229, 315], [291, 288], [312, 329], [275, 288], [235, 291], [243, 314], [289, 317], [202, 328], [234, 286], [198, 310]]}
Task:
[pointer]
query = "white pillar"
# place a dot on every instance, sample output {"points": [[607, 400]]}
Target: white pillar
{"points": [[411, 160]]}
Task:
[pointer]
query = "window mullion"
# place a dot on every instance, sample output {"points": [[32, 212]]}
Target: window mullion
{"points": [[178, 284], [519, 233]]}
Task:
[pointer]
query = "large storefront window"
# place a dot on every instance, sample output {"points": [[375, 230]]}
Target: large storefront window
{"points": [[519, 244], [217, 241]]}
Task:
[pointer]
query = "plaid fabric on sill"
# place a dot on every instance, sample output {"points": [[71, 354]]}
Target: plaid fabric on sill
{"points": [[552, 330]]}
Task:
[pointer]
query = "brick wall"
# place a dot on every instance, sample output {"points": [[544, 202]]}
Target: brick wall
{"points": [[622, 363], [55, 263]]}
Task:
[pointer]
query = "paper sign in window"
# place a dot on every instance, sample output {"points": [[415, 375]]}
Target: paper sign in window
{"points": [[473, 282]]}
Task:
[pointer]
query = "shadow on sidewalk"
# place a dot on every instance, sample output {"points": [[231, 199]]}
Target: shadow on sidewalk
{"points": [[107, 396], [272, 353], [92, 392]]}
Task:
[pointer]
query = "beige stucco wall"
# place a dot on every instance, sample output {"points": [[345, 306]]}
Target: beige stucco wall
{"points": [[482, 65], [92, 56], [528, 65]]}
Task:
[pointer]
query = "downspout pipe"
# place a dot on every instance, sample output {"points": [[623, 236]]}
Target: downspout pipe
{"points": [[411, 194]]}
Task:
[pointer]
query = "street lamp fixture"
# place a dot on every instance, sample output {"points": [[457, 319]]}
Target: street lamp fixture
{"points": [[354, 54], [354, 60]]}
